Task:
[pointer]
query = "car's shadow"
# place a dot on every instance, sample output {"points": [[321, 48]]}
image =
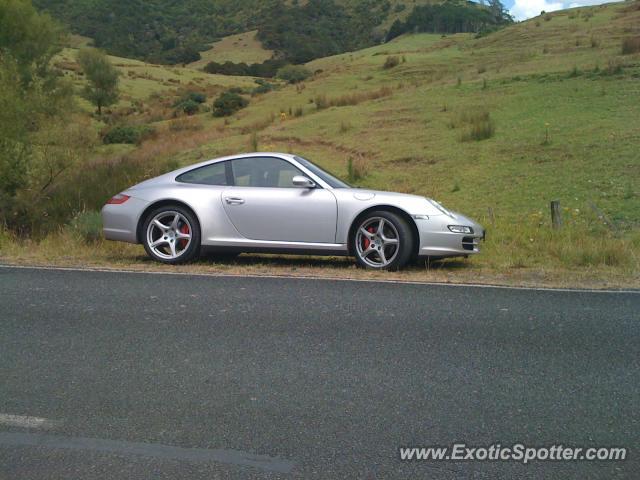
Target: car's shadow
{"points": [[278, 262]]}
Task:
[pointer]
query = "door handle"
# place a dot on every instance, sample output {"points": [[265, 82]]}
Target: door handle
{"points": [[234, 200]]}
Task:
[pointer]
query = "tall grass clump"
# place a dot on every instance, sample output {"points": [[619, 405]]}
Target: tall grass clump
{"points": [[631, 45], [321, 102], [351, 99], [391, 62], [357, 168], [477, 125], [253, 141], [345, 127]]}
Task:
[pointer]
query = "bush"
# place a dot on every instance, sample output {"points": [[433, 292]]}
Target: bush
{"points": [[189, 107], [391, 62], [263, 87], [87, 226], [630, 45], [228, 103], [293, 73], [128, 134]]}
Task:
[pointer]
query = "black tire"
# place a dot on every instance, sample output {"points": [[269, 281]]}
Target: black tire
{"points": [[405, 241], [192, 248]]}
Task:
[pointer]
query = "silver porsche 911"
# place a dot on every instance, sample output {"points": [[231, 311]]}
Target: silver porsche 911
{"points": [[280, 203]]}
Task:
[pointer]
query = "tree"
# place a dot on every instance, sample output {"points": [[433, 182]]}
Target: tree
{"points": [[36, 146], [102, 77], [29, 38], [499, 12]]}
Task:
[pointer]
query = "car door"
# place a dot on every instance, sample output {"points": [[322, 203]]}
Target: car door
{"points": [[264, 204]]}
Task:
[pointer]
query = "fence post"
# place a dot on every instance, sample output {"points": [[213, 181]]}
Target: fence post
{"points": [[556, 214]]}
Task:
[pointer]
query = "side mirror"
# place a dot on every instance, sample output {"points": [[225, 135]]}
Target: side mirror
{"points": [[303, 182]]}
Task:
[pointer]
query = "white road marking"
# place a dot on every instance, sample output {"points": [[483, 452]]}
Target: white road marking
{"points": [[309, 277], [24, 421], [153, 450]]}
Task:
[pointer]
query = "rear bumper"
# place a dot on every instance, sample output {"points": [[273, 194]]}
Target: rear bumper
{"points": [[120, 222]]}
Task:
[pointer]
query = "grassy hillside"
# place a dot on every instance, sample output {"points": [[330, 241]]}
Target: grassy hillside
{"points": [[242, 47], [555, 96], [140, 80]]}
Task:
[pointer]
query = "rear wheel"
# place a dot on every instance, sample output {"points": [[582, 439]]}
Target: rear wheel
{"points": [[171, 235], [383, 241]]}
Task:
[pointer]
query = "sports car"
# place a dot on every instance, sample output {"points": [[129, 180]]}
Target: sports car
{"points": [[282, 203]]}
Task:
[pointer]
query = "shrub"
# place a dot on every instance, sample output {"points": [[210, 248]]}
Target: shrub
{"points": [[391, 62], [87, 226], [132, 134], [263, 87], [293, 73], [189, 107], [630, 45], [228, 103], [196, 97]]}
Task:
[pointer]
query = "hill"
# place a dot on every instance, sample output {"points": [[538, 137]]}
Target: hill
{"points": [[165, 31]]}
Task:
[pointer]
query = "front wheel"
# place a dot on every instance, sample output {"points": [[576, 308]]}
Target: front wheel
{"points": [[171, 235], [383, 241]]}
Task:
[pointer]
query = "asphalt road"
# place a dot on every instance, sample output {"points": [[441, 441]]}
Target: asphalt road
{"points": [[147, 376]]}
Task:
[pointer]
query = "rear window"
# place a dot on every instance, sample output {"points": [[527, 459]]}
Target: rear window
{"points": [[214, 174]]}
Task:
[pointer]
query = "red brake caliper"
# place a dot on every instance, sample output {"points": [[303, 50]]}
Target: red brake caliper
{"points": [[367, 242], [184, 229]]}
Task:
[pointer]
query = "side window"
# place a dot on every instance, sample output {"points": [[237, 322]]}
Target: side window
{"points": [[264, 172], [214, 174]]}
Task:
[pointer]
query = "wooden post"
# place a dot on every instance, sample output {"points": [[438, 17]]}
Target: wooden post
{"points": [[492, 217], [556, 214]]}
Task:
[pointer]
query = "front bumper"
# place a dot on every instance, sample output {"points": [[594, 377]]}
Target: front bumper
{"points": [[436, 240]]}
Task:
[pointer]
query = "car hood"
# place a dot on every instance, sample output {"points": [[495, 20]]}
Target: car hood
{"points": [[412, 204]]}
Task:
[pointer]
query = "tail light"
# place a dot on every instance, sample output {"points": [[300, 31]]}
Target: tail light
{"points": [[118, 199]]}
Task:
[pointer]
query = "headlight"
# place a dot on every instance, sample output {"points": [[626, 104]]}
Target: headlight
{"points": [[460, 229]]}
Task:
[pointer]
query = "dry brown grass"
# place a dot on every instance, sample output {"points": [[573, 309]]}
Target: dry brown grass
{"points": [[350, 99], [631, 45]]}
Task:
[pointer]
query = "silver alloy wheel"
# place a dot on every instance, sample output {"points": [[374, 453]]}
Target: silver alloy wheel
{"points": [[169, 235], [377, 242]]}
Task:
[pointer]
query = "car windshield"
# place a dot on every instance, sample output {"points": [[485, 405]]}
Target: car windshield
{"points": [[327, 177]]}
